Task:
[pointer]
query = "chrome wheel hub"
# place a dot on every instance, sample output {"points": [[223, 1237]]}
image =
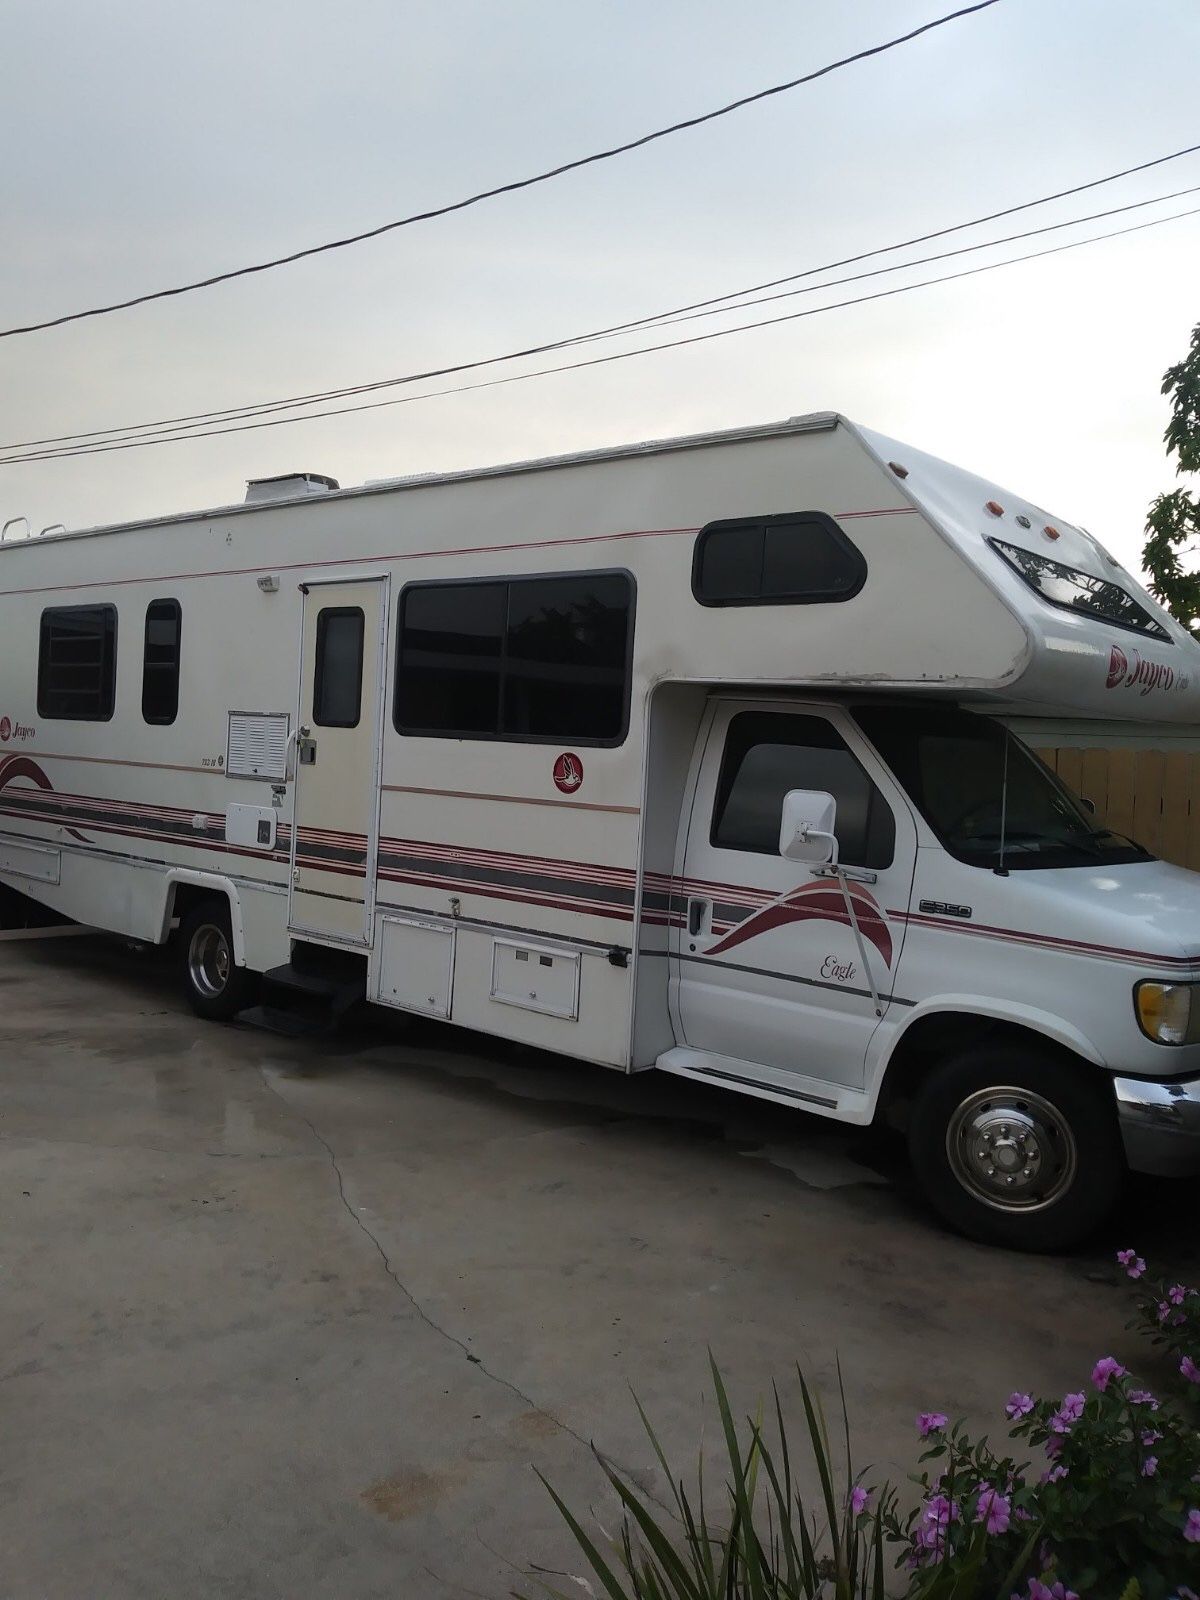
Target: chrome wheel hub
{"points": [[209, 961], [1011, 1149]]}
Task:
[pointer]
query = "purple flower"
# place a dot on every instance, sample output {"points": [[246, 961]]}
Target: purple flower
{"points": [[1054, 1447], [1190, 1370], [1132, 1262], [1070, 1411], [1040, 1591], [1164, 1310], [1055, 1474], [931, 1422], [1149, 1466], [1191, 1528], [1184, 1593], [1105, 1370], [994, 1509], [1150, 1436], [940, 1512], [859, 1498], [1142, 1397], [1019, 1405], [1177, 1294]]}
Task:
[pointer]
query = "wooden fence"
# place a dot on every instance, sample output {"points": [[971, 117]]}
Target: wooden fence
{"points": [[1153, 796]]}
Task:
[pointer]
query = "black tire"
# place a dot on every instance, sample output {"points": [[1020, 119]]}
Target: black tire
{"points": [[1017, 1146], [215, 987]]}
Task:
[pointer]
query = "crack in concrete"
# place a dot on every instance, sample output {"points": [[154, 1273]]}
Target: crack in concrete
{"points": [[434, 1327]]}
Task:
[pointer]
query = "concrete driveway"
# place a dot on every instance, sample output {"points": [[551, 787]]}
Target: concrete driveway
{"points": [[299, 1318]]}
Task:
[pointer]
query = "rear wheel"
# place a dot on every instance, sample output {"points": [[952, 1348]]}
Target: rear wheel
{"points": [[1017, 1147], [216, 987]]}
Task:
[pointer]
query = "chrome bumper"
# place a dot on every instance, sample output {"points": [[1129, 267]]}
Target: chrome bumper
{"points": [[1160, 1125]]}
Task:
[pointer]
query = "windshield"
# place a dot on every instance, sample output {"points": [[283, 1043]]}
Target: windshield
{"points": [[973, 781]]}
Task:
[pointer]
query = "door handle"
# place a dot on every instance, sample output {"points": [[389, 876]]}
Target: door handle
{"points": [[698, 912]]}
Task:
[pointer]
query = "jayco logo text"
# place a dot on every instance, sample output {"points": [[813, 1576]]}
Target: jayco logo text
{"points": [[1133, 671]]}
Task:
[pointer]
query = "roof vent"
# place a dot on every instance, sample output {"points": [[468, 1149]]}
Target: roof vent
{"points": [[288, 486]]}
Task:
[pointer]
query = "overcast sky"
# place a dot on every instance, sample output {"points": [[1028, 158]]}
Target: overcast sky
{"points": [[148, 143]]}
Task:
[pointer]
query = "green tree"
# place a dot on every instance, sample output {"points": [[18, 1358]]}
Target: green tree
{"points": [[1173, 525]]}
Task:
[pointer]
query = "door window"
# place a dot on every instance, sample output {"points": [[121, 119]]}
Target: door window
{"points": [[337, 686], [766, 754]]}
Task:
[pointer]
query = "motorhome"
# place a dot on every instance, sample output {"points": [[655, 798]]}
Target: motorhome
{"points": [[692, 755]]}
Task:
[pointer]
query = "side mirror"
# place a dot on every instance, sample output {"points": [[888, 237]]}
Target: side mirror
{"points": [[1088, 805], [806, 829]]}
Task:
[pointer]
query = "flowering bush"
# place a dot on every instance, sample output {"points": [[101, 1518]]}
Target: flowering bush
{"points": [[1113, 1497], [1105, 1505], [1169, 1314]]}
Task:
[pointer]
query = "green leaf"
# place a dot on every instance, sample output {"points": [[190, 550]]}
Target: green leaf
{"points": [[600, 1567]]}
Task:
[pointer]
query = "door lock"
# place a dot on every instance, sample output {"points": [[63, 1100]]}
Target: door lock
{"points": [[306, 749]]}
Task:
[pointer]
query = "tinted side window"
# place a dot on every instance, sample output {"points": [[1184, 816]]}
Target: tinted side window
{"points": [[521, 659], [801, 559], [768, 753], [77, 663], [565, 658], [337, 678], [160, 661], [448, 659]]}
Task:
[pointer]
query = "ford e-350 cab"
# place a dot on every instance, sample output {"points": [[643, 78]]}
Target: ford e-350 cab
{"points": [[695, 755], [967, 945]]}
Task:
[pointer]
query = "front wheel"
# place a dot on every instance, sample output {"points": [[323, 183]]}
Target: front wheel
{"points": [[1017, 1147], [216, 988]]}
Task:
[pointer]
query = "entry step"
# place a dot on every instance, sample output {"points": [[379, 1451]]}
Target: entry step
{"points": [[311, 993]]}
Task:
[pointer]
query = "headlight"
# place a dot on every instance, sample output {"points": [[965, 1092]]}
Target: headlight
{"points": [[1165, 1012]]}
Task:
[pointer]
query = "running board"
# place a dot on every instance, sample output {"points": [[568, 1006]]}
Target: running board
{"points": [[769, 1083]]}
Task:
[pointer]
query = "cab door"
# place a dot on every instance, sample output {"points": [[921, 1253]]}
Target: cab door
{"points": [[766, 967], [335, 820]]}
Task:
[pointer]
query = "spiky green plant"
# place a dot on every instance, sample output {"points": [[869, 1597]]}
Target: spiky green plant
{"points": [[765, 1544]]}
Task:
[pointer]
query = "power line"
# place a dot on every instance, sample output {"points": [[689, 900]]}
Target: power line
{"points": [[658, 318], [597, 361], [504, 188]]}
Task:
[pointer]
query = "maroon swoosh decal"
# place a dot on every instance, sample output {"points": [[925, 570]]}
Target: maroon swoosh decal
{"points": [[815, 902], [15, 767]]}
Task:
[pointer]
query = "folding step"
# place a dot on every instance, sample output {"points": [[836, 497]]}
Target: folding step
{"points": [[292, 1024], [310, 993]]}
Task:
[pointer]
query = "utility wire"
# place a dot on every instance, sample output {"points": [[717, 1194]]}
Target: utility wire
{"points": [[505, 188], [597, 361], [658, 318]]}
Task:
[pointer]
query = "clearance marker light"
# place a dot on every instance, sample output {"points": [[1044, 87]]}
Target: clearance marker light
{"points": [[1051, 531], [995, 508]]}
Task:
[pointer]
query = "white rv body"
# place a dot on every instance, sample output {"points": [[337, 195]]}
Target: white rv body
{"points": [[573, 893]]}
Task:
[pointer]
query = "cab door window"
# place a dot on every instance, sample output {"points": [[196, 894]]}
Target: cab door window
{"points": [[767, 753]]}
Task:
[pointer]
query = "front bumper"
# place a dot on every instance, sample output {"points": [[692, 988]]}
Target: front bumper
{"points": [[1160, 1125]]}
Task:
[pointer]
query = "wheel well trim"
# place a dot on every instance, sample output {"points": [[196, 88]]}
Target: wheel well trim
{"points": [[1031, 1018], [220, 886]]}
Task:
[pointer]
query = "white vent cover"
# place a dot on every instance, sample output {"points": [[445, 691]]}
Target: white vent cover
{"points": [[258, 745], [288, 486]]}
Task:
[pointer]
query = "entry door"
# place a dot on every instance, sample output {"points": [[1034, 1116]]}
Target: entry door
{"points": [[335, 833], [766, 968]]}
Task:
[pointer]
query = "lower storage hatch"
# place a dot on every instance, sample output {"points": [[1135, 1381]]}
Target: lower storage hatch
{"points": [[416, 965], [537, 977]]}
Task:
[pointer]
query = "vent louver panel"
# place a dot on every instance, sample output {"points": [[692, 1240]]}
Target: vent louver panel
{"points": [[258, 745]]}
